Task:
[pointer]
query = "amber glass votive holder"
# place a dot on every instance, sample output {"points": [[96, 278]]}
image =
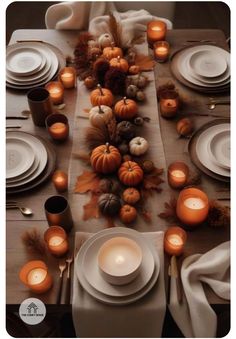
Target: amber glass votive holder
{"points": [[56, 240], [174, 240], [192, 206], [56, 92], [161, 50], [178, 173], [169, 103], [60, 181], [34, 274], [156, 31], [57, 126], [67, 77]]}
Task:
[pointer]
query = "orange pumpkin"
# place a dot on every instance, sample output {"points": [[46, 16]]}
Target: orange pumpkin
{"points": [[126, 109], [112, 52], [105, 159], [128, 214], [101, 96], [119, 63], [131, 195], [130, 173]]}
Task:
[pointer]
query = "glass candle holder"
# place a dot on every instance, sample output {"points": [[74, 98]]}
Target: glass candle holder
{"points": [[60, 181], [174, 240], [178, 173], [161, 50], [56, 240], [169, 103], [36, 277], [56, 91], [192, 206], [57, 126], [67, 76], [156, 31]]}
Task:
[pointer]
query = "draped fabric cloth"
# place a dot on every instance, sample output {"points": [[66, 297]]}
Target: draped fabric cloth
{"points": [[194, 315], [93, 16]]}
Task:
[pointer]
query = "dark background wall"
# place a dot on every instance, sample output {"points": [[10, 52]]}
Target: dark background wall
{"points": [[192, 14]]}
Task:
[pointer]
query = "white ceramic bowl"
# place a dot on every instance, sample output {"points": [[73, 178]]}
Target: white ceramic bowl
{"points": [[119, 260]]}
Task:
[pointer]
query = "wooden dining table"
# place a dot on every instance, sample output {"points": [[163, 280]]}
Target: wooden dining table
{"points": [[199, 241]]}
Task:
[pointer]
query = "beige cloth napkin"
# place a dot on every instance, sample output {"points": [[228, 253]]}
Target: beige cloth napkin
{"points": [[143, 318], [80, 15], [194, 315]]}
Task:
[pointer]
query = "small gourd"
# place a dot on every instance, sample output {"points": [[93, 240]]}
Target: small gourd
{"points": [[89, 82], [131, 91], [131, 196], [126, 109], [105, 40], [109, 204], [134, 69], [140, 96], [140, 81], [126, 130], [138, 146], [119, 63], [100, 115], [128, 214], [184, 127], [101, 96], [105, 159]]}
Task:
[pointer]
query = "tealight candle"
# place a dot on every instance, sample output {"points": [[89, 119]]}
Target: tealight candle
{"points": [[57, 126], [192, 206], [169, 103], [161, 50], [56, 240], [174, 240], [56, 91], [34, 275], [156, 31], [60, 181], [177, 174], [67, 77]]}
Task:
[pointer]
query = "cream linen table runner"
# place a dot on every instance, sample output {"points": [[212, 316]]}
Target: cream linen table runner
{"points": [[143, 318]]}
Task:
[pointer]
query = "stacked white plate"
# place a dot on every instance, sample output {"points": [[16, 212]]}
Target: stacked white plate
{"points": [[26, 159], [31, 64], [203, 67], [89, 276], [213, 149]]}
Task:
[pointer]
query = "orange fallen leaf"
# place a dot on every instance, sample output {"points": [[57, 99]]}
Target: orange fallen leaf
{"points": [[87, 181], [86, 110], [145, 62], [91, 209]]}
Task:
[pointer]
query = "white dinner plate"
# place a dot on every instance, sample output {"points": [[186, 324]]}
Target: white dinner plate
{"points": [[93, 276], [38, 148], [107, 234], [28, 173], [19, 157], [207, 63], [219, 149], [50, 69], [182, 63], [202, 149], [23, 61]]}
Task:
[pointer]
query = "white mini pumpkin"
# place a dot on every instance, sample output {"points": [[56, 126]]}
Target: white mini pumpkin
{"points": [[98, 115], [138, 146], [105, 40]]}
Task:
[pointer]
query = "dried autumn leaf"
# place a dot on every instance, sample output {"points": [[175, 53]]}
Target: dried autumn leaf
{"points": [[152, 182], [169, 213], [91, 209], [86, 110], [82, 155], [146, 215], [145, 62], [87, 181]]}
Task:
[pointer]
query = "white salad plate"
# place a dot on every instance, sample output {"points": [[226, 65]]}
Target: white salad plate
{"points": [[105, 298], [23, 61], [202, 149], [25, 175], [19, 157], [219, 149], [94, 277], [37, 147], [207, 63]]}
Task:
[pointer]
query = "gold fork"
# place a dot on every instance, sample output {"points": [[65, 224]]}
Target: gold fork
{"points": [[62, 267], [69, 261]]}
